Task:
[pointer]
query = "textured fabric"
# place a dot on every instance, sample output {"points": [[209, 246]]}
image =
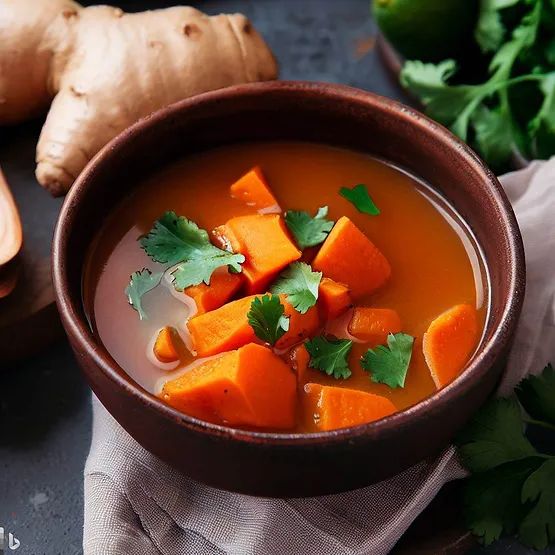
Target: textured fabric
{"points": [[138, 505]]}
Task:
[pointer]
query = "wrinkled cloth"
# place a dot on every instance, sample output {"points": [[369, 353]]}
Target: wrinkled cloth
{"points": [[135, 504]]}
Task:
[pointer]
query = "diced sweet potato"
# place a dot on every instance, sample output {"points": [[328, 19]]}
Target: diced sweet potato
{"points": [[334, 298], [449, 342], [332, 407], [374, 324], [248, 387], [348, 256], [301, 326], [164, 347], [254, 191], [298, 360], [265, 242], [227, 328], [223, 286]]}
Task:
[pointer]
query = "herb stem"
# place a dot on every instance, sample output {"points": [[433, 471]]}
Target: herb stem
{"points": [[539, 423]]}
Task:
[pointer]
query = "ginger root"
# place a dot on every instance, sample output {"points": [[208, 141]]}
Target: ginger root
{"points": [[104, 69]]}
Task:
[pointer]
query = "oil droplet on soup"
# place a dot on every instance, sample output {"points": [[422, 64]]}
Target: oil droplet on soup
{"points": [[434, 259]]}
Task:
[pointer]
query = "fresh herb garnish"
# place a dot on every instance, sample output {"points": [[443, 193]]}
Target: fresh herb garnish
{"points": [[389, 365], [267, 318], [175, 239], [482, 113], [330, 356], [361, 200], [141, 282], [300, 284], [512, 488], [308, 231]]}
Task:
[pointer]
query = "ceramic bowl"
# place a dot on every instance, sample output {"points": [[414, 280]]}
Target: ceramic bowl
{"points": [[292, 464]]}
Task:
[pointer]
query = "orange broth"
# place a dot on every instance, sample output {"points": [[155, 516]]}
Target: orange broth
{"points": [[434, 259]]}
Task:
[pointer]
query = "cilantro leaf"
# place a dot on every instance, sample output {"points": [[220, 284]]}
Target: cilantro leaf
{"points": [[490, 31], [267, 318], [141, 282], [537, 529], [494, 436], [359, 197], [492, 499], [308, 231], [200, 270], [493, 134], [175, 239], [546, 114], [390, 365], [330, 356], [537, 395], [300, 284]]}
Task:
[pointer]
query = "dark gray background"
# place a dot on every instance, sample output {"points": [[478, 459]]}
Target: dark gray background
{"points": [[45, 412]]}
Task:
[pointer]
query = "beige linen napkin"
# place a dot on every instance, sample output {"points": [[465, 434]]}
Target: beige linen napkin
{"points": [[135, 504]]}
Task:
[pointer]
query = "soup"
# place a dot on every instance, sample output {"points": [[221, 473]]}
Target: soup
{"points": [[286, 287]]}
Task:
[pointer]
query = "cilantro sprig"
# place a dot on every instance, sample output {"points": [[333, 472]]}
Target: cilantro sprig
{"points": [[512, 488], [483, 113], [308, 231], [267, 318], [330, 356], [300, 284], [175, 239], [389, 365], [141, 283], [359, 197]]}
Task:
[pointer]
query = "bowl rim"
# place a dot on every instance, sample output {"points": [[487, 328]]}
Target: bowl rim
{"points": [[77, 326]]}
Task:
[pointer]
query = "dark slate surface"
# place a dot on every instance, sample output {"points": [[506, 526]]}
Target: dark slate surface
{"points": [[45, 419]]}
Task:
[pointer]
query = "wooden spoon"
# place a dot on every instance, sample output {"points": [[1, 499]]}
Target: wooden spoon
{"points": [[11, 238]]}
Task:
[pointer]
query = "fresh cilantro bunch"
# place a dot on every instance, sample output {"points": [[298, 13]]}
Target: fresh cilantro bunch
{"points": [[512, 488], [514, 106]]}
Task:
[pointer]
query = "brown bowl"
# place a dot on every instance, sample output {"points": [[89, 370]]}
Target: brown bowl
{"points": [[292, 464]]}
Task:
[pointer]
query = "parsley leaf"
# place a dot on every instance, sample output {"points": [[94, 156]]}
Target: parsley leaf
{"points": [[537, 395], [390, 365], [330, 356], [360, 198], [492, 499], [141, 282], [300, 284], [175, 239], [494, 436], [537, 529], [267, 318], [308, 231]]}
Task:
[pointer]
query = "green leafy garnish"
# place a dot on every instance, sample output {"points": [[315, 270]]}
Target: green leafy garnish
{"points": [[389, 365], [141, 282], [482, 113], [512, 488], [267, 318], [175, 239], [330, 356], [359, 197], [537, 395], [300, 284], [308, 231], [494, 437]]}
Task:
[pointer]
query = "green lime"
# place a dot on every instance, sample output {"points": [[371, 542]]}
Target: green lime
{"points": [[428, 30]]}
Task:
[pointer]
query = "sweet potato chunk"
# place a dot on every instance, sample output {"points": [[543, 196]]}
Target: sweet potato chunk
{"points": [[336, 407], [334, 298], [374, 324], [248, 387], [164, 346], [254, 191], [265, 242], [449, 342], [223, 286], [298, 360], [227, 328], [349, 257]]}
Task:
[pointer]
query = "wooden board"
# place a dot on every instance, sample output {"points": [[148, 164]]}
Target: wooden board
{"points": [[29, 320]]}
